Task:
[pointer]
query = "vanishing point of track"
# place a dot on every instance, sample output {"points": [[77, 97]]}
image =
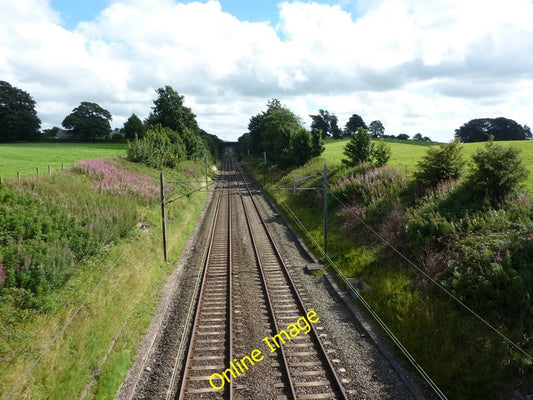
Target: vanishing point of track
{"points": [[302, 366]]}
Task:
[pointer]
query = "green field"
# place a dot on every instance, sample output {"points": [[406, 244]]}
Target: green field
{"points": [[25, 158], [406, 155]]}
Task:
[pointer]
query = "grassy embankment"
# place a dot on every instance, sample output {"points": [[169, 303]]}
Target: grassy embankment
{"points": [[406, 155], [461, 354], [73, 333]]}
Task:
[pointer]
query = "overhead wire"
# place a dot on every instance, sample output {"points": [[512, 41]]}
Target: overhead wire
{"points": [[439, 285], [368, 307]]}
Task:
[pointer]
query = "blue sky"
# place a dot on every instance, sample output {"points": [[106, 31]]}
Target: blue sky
{"points": [[74, 11], [418, 66]]}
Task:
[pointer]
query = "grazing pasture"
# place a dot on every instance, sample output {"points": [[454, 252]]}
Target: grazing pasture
{"points": [[27, 157]]}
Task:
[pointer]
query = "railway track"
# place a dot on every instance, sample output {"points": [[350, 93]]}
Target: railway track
{"points": [[292, 342]]}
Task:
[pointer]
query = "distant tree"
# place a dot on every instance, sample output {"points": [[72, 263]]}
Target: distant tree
{"points": [[527, 130], [376, 129], [280, 133], [440, 163], [134, 127], [426, 139], [89, 121], [403, 136], [358, 149], [480, 130], [18, 118], [336, 133], [320, 122], [326, 123], [52, 132], [418, 137], [354, 123]]}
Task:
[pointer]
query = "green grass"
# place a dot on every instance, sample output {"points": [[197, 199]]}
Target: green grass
{"points": [[462, 355], [406, 155], [25, 158], [122, 285]]}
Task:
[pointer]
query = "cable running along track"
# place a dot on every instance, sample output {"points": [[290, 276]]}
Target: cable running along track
{"points": [[305, 370]]}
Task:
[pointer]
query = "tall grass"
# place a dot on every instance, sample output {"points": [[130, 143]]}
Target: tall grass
{"points": [[107, 301]]}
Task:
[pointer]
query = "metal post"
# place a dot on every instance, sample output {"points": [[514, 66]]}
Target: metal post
{"points": [[325, 188], [206, 171], [163, 218], [264, 167], [49, 170]]}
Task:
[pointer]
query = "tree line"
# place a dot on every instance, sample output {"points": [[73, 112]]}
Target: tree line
{"points": [[89, 121]]}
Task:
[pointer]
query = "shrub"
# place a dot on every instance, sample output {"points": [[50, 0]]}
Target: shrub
{"points": [[160, 147], [381, 153], [440, 163], [359, 148], [497, 171]]}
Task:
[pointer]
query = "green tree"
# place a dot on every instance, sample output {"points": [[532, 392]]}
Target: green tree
{"points": [[134, 127], [481, 129], [280, 133], [376, 129], [322, 122], [354, 123], [381, 154], [317, 143], [440, 163], [300, 148], [358, 149], [89, 121], [169, 111], [18, 118], [496, 171]]}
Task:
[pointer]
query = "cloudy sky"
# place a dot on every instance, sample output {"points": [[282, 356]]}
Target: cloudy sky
{"points": [[423, 66]]}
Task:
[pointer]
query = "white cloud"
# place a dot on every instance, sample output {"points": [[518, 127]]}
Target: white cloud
{"points": [[417, 65]]}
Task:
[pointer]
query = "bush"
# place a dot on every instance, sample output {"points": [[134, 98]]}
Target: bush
{"points": [[381, 154], [160, 147], [497, 171], [358, 149], [440, 163]]}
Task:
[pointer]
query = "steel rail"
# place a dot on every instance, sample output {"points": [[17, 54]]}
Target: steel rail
{"points": [[337, 385], [190, 351]]}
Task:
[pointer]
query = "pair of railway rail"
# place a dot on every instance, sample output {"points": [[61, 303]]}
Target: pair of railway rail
{"points": [[305, 370]]}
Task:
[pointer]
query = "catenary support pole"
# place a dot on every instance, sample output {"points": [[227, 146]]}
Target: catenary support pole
{"points": [[163, 218], [206, 171], [264, 167], [325, 194]]}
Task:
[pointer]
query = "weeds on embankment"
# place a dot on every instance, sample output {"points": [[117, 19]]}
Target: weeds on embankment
{"points": [[82, 273], [479, 250]]}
